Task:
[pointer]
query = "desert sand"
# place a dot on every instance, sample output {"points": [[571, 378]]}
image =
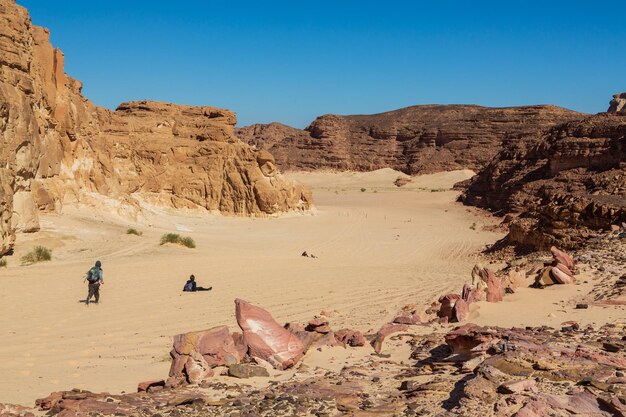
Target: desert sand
{"points": [[376, 249]]}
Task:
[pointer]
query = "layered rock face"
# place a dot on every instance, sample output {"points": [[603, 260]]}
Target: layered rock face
{"points": [[57, 147], [563, 184], [618, 104], [418, 139]]}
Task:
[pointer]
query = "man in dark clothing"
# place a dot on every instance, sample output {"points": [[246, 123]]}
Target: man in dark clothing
{"points": [[95, 277], [191, 286]]}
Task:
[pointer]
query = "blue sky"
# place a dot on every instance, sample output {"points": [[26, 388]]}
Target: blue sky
{"points": [[291, 61]]}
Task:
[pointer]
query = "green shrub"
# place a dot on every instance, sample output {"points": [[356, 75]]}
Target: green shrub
{"points": [[38, 254], [178, 239], [133, 231], [188, 242], [3, 263], [170, 238]]}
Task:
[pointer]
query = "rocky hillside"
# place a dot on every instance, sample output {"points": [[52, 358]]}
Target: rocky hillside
{"points": [[418, 139], [563, 185], [59, 148]]}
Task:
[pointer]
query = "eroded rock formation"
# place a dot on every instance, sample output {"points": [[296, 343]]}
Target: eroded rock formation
{"points": [[58, 147], [418, 139], [563, 185]]}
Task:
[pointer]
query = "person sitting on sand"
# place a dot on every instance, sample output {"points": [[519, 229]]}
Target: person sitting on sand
{"points": [[190, 285]]}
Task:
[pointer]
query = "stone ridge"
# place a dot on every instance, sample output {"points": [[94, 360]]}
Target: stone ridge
{"points": [[417, 139], [59, 148], [562, 186]]}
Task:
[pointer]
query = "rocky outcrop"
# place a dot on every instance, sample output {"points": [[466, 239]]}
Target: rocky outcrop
{"points": [[618, 104], [561, 186], [59, 148], [418, 139]]}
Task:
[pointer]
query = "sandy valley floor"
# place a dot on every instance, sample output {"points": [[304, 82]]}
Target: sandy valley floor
{"points": [[377, 250]]}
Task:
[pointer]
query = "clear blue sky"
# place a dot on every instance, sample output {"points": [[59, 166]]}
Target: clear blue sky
{"points": [[290, 61]]}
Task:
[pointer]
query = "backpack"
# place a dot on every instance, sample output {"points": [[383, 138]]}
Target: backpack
{"points": [[93, 275], [188, 286]]}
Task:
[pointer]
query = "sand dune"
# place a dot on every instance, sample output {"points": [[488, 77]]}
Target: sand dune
{"points": [[377, 250]]}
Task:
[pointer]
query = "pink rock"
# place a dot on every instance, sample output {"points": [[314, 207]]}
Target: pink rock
{"points": [[197, 368], [406, 317], [562, 257], [349, 337], [465, 338], [265, 338], [447, 304], [460, 311], [385, 331], [494, 287], [145, 386], [240, 345], [323, 329], [560, 276], [214, 344], [178, 363], [516, 387]]}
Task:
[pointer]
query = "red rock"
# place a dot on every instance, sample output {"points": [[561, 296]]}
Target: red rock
{"points": [[460, 311], [49, 401], [178, 363], [213, 344], [561, 277], [447, 304], [316, 322], [515, 387], [145, 386], [240, 345], [465, 338], [494, 287], [349, 337], [385, 331], [266, 338], [197, 368], [406, 317], [323, 329], [562, 258]]}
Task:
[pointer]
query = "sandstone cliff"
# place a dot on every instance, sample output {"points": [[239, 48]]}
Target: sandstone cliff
{"points": [[418, 139], [562, 185], [58, 148]]}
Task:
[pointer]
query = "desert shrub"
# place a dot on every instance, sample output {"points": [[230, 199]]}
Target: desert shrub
{"points": [[438, 190], [363, 190], [3, 263], [133, 231], [188, 242], [178, 239], [473, 226], [38, 254]]}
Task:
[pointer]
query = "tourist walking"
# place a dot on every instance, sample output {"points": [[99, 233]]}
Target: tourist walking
{"points": [[95, 278]]}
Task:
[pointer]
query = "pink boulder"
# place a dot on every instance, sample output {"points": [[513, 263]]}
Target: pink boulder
{"points": [[562, 257], [460, 311], [147, 385], [214, 344], [494, 287], [560, 276], [385, 331], [447, 305], [265, 338], [197, 368], [349, 337], [406, 317]]}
